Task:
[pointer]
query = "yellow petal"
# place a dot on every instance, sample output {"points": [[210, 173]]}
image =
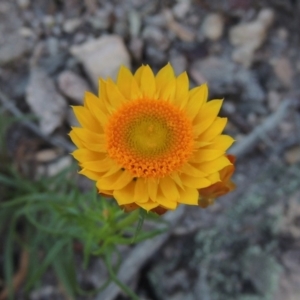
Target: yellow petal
{"points": [[203, 155], [164, 76], [124, 77], [194, 182], [189, 196], [147, 83], [152, 188], [86, 119], [206, 116], [169, 188], [197, 98], [125, 195], [97, 108], [138, 74], [175, 176], [214, 165], [164, 201], [167, 92], [112, 170], [102, 93], [76, 140], [103, 165], [214, 177], [114, 96], [214, 130], [148, 205], [114, 182], [91, 140], [90, 174], [201, 144], [182, 90], [128, 85], [192, 171], [221, 142], [141, 191], [103, 96], [84, 155]]}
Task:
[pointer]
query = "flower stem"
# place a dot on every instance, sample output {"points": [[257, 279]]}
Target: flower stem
{"points": [[129, 220], [115, 279]]}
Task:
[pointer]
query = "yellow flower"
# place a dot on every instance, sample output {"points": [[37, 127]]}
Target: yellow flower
{"points": [[220, 188], [149, 141]]}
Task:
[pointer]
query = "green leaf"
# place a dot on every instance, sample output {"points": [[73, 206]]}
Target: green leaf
{"points": [[51, 256], [64, 268]]}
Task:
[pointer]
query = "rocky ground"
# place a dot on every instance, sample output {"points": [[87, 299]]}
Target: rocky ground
{"points": [[247, 245]]}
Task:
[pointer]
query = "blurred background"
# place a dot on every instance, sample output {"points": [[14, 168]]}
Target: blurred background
{"points": [[246, 246]]}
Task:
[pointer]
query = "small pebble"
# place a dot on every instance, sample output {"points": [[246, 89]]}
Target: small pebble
{"points": [[102, 57], [72, 86], [59, 165], [48, 21], [181, 9], [26, 32], [213, 26], [248, 37], [292, 155], [155, 36], [71, 25], [24, 4], [46, 155], [284, 71]]}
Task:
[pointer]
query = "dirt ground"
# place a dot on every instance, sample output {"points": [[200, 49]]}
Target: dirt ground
{"points": [[246, 246]]}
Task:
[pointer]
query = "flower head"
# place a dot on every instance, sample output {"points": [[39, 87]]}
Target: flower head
{"points": [[149, 141]]}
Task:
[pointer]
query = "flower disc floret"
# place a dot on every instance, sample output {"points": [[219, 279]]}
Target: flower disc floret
{"points": [[149, 138]]}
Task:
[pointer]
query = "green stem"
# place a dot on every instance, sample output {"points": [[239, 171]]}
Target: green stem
{"points": [[142, 215], [114, 278], [132, 217]]}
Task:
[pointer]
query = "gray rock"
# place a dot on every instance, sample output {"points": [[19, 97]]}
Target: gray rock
{"points": [[101, 20], [72, 86], [49, 21], [71, 25], [213, 26], [102, 57], [181, 9], [248, 37], [26, 32], [44, 100], [59, 165], [178, 62], [155, 36], [226, 78], [13, 47], [155, 56]]}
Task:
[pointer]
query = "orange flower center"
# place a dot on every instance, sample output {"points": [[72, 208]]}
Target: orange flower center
{"points": [[149, 138]]}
